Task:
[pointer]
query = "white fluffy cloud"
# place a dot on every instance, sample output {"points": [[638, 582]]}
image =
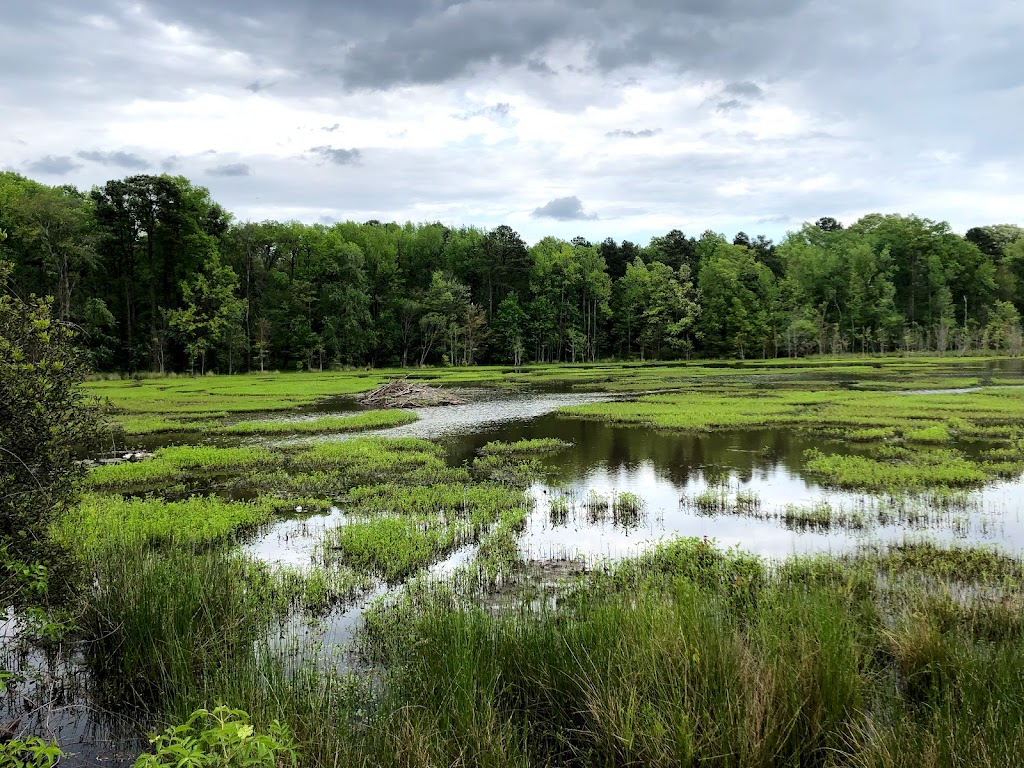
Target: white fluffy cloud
{"points": [[593, 117]]}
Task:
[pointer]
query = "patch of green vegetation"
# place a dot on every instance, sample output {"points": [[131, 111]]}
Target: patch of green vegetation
{"points": [[518, 469], [723, 500], [374, 459], [206, 395], [104, 523], [956, 564], [690, 653], [823, 516], [166, 626], [537, 445], [925, 470], [356, 423], [479, 503], [156, 425], [171, 464], [518, 463], [394, 547]]}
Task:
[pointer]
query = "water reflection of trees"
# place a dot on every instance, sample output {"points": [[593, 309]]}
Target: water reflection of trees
{"points": [[677, 457]]}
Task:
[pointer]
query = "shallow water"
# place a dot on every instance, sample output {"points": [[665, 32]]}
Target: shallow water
{"points": [[666, 468], [487, 409]]}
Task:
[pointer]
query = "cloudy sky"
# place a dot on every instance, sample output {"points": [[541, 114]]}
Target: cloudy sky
{"points": [[622, 118]]}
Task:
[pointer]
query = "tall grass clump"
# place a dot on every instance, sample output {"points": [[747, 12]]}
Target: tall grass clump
{"points": [[722, 500], [649, 677], [156, 622], [693, 656]]}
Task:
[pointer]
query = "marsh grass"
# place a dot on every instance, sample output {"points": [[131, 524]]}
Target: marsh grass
{"points": [[686, 655], [325, 424], [690, 655], [397, 530], [104, 524], [536, 445], [177, 464], [936, 468], [518, 464], [723, 500]]}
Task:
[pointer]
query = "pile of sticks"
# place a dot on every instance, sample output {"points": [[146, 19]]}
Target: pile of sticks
{"points": [[402, 393]]}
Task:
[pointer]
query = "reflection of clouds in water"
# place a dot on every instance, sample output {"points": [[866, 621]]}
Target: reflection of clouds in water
{"points": [[487, 410], [993, 517], [293, 542]]}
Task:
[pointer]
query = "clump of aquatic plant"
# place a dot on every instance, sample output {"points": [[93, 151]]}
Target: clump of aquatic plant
{"points": [[479, 504], [372, 460], [509, 468], [722, 500], [923, 471], [596, 503], [169, 464], [627, 503], [394, 547], [558, 510], [498, 558], [536, 445], [822, 515], [101, 524]]}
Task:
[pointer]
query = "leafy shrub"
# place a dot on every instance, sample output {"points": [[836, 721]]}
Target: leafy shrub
{"points": [[223, 738]]}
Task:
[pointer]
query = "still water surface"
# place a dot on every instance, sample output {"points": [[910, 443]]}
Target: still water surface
{"points": [[666, 469]]}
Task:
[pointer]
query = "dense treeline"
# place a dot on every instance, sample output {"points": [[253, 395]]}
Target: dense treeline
{"points": [[161, 278]]}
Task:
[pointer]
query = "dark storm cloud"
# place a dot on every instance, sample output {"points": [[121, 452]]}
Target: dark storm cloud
{"points": [[438, 47], [230, 169], [646, 133], [563, 209], [338, 156], [257, 86], [53, 165], [127, 160]]}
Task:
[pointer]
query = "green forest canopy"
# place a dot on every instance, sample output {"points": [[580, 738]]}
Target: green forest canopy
{"points": [[160, 277]]}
